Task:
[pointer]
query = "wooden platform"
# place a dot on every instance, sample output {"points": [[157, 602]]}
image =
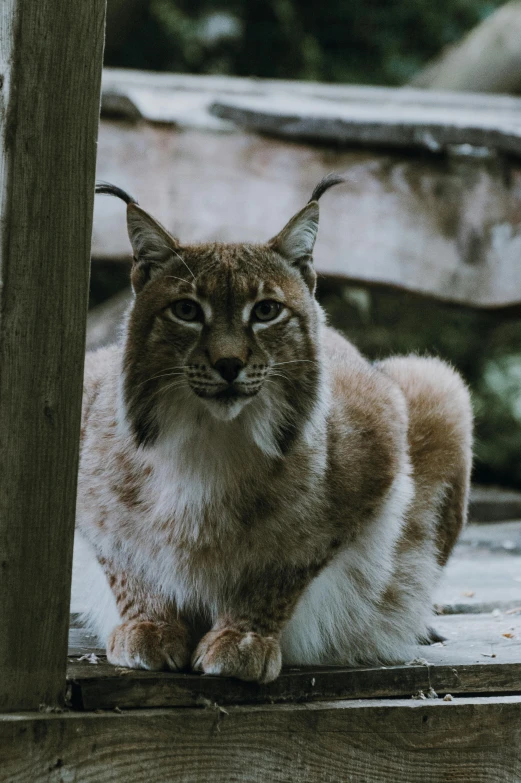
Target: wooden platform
{"points": [[451, 714], [482, 655]]}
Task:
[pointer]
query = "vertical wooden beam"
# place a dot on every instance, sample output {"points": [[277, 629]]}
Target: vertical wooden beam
{"points": [[50, 72]]}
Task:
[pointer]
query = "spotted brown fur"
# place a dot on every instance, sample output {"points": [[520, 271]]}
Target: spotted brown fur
{"points": [[294, 503]]}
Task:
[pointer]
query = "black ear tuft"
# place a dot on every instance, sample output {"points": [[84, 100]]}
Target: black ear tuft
{"points": [[324, 184], [297, 239], [106, 189]]}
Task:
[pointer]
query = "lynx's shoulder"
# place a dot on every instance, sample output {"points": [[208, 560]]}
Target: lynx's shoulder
{"points": [[361, 394], [368, 425], [102, 368]]}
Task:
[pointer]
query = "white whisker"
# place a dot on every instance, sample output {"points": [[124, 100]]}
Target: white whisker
{"points": [[168, 371], [174, 277], [184, 262], [294, 361], [169, 387]]}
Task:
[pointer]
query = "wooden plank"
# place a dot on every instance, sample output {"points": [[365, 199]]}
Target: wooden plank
{"points": [[98, 686], [81, 642], [50, 66], [464, 665], [449, 228], [479, 580], [185, 99], [435, 128], [476, 740]]}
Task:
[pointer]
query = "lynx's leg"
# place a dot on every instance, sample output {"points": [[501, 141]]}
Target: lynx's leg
{"points": [[245, 640], [151, 635], [440, 438]]}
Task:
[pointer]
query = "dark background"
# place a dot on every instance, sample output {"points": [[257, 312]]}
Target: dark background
{"points": [[360, 41]]}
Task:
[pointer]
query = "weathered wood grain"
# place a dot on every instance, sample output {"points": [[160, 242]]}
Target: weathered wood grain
{"points": [[478, 580], [98, 686], [443, 226], [464, 665], [50, 70], [473, 740], [185, 99], [436, 128], [81, 642]]}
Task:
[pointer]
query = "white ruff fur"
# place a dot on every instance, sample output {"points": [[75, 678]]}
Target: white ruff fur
{"points": [[193, 471], [91, 594]]}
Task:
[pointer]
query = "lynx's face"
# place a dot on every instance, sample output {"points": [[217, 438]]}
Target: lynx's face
{"points": [[243, 327], [222, 329]]}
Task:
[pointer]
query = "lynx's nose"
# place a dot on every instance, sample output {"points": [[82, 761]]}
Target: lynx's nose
{"points": [[229, 368]]}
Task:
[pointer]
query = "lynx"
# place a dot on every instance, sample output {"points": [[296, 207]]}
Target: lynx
{"points": [[252, 491]]}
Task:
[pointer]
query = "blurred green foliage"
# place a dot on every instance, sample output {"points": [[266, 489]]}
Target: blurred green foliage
{"points": [[363, 41], [484, 347]]}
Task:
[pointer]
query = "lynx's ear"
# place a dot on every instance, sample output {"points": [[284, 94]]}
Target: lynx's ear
{"points": [[297, 239], [151, 243]]}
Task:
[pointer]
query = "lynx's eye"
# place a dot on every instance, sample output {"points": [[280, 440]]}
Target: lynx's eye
{"points": [[266, 310], [187, 310]]}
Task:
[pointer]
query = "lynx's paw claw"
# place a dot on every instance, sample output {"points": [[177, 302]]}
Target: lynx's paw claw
{"points": [[230, 653], [148, 645]]}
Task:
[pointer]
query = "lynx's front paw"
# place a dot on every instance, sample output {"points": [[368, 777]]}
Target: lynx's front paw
{"points": [[148, 645], [230, 653]]}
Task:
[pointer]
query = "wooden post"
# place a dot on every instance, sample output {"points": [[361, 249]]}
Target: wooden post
{"points": [[50, 74]]}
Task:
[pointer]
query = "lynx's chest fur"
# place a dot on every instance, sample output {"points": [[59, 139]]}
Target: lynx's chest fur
{"points": [[207, 494]]}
